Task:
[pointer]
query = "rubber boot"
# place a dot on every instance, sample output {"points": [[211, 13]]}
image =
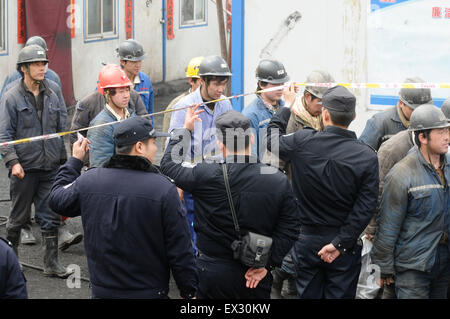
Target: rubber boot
{"points": [[52, 268], [66, 239], [27, 237]]}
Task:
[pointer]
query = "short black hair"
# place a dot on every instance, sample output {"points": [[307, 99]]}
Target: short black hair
{"points": [[126, 149], [261, 84], [209, 78], [19, 68], [341, 118], [237, 139], [426, 134]]}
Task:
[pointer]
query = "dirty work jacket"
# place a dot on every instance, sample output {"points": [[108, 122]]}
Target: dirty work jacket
{"points": [[102, 145], [413, 215], [19, 119], [390, 153], [15, 75], [259, 115], [145, 90], [380, 126], [88, 108]]}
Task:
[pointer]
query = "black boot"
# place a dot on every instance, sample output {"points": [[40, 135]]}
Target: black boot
{"points": [[51, 266], [14, 238]]}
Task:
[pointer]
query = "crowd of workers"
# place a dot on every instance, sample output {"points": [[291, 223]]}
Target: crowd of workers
{"points": [[286, 168]]}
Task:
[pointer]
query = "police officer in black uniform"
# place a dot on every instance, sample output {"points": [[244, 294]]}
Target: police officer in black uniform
{"points": [[263, 200], [135, 226], [12, 281], [335, 178]]}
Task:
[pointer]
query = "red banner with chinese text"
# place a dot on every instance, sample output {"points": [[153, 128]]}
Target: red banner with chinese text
{"points": [[170, 33], [72, 18], [21, 22], [128, 19]]}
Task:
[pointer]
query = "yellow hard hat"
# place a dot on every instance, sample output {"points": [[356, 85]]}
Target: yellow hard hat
{"points": [[192, 68]]}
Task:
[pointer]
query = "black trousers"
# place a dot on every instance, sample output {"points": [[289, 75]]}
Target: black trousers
{"points": [[317, 279], [224, 279]]}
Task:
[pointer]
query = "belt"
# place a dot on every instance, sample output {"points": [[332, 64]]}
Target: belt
{"points": [[444, 239]]}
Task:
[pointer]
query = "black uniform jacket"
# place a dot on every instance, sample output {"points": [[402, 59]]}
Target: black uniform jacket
{"points": [[134, 224], [334, 176], [263, 199]]}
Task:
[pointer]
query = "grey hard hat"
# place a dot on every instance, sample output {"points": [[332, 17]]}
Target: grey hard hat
{"points": [[214, 65], [131, 50], [37, 40], [427, 117], [32, 53], [446, 108], [318, 76], [415, 97], [271, 71]]}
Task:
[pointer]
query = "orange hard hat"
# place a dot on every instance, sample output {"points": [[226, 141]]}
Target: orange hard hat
{"points": [[112, 76]]}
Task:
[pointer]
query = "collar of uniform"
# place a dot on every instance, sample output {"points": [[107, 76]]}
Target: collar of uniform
{"points": [[42, 87], [268, 106], [394, 116], [131, 162], [340, 131], [241, 159], [137, 79], [117, 116], [424, 162], [205, 106]]}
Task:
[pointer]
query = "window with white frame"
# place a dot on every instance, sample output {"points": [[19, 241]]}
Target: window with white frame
{"points": [[101, 19], [2, 26], [192, 12]]}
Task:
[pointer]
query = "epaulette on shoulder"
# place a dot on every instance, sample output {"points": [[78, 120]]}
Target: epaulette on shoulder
{"points": [[168, 178], [158, 171], [6, 241], [276, 167]]}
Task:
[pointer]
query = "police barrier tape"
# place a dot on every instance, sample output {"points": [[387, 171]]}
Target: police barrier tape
{"points": [[275, 88]]}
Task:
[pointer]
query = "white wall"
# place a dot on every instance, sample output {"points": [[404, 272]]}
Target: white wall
{"points": [[192, 42], [88, 56], [331, 35], [148, 31], [188, 43], [8, 62]]}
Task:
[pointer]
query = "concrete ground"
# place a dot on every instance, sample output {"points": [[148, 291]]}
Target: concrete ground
{"points": [[40, 287]]}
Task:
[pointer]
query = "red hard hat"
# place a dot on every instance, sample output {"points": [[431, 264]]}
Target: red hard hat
{"points": [[112, 76]]}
